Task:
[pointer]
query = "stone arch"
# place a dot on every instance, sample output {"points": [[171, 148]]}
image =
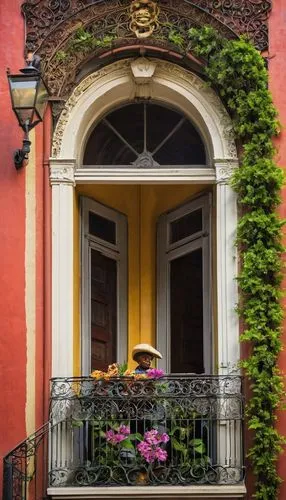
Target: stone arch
{"points": [[115, 84]]}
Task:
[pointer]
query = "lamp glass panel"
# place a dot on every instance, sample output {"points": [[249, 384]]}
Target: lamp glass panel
{"points": [[42, 99], [23, 91], [25, 115]]}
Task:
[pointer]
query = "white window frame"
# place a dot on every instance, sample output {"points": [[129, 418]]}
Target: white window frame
{"points": [[117, 252], [166, 252]]}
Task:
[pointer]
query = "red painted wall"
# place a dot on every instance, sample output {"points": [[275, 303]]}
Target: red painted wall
{"points": [[12, 247], [277, 70], [13, 356]]}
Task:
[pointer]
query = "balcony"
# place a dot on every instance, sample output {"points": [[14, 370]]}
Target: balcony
{"points": [[123, 434]]}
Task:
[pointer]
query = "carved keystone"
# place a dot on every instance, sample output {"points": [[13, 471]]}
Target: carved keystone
{"points": [[143, 70]]}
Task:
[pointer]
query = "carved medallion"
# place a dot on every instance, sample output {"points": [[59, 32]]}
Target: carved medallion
{"points": [[144, 17]]}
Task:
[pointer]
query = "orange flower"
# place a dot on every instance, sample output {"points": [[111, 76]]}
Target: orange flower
{"points": [[129, 373], [112, 370], [97, 374], [139, 376]]}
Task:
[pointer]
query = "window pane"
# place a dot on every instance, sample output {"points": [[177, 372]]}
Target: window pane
{"points": [[103, 310], [186, 302], [186, 226], [101, 227], [121, 137], [184, 147], [105, 148]]}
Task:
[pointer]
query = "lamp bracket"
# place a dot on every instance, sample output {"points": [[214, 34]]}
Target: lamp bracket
{"points": [[22, 154]]}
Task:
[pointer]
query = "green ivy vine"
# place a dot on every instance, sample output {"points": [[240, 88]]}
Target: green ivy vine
{"points": [[238, 73], [84, 41]]}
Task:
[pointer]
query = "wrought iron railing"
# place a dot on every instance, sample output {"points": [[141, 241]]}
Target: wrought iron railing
{"points": [[26, 468], [176, 430]]}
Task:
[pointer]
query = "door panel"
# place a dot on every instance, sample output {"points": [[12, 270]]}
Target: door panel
{"points": [[184, 333], [186, 308], [103, 273]]}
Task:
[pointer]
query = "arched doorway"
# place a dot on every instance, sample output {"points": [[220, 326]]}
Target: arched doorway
{"points": [[147, 135], [113, 143]]}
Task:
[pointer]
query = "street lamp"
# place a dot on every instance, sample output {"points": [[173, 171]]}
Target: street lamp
{"points": [[29, 97]]}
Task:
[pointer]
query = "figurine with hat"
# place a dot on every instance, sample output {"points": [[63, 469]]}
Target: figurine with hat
{"points": [[144, 354]]}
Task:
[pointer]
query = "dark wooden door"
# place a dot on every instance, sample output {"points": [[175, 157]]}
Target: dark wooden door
{"points": [[103, 310], [186, 299]]}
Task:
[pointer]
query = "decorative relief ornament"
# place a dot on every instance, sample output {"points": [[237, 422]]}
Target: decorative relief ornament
{"points": [[144, 17], [145, 160], [62, 173], [224, 170], [142, 70]]}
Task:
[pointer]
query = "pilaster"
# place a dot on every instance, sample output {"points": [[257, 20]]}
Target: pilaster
{"points": [[227, 293], [62, 182]]}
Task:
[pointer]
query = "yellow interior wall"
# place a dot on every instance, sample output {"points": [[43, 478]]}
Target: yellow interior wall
{"points": [[142, 204]]}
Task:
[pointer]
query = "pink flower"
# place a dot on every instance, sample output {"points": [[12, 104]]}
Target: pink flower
{"points": [[150, 448], [114, 438], [146, 451], [119, 438], [123, 429], [143, 447], [165, 438], [155, 373], [152, 437], [110, 436], [161, 455]]}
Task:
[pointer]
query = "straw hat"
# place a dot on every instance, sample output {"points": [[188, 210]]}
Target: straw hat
{"points": [[139, 348]]}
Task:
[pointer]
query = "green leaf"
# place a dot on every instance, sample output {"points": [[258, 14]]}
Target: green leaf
{"points": [[198, 445], [137, 436], [178, 446], [77, 423], [126, 443]]}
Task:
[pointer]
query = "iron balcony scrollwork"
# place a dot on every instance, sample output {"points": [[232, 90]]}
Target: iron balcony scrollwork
{"points": [[201, 416], [176, 430]]}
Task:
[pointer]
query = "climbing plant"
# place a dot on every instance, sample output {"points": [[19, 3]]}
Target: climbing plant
{"points": [[84, 41], [238, 73]]}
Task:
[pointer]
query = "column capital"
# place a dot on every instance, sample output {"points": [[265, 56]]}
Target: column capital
{"points": [[224, 170], [62, 171]]}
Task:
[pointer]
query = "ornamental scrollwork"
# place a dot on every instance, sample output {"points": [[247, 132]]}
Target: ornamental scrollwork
{"points": [[51, 27], [246, 16], [85, 398]]}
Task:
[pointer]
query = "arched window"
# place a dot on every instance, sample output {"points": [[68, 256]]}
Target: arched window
{"points": [[145, 135]]}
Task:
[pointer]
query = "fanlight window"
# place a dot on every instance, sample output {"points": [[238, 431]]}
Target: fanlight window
{"points": [[145, 135]]}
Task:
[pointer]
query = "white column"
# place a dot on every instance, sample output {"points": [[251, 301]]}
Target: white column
{"points": [[227, 293], [62, 182], [229, 433]]}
